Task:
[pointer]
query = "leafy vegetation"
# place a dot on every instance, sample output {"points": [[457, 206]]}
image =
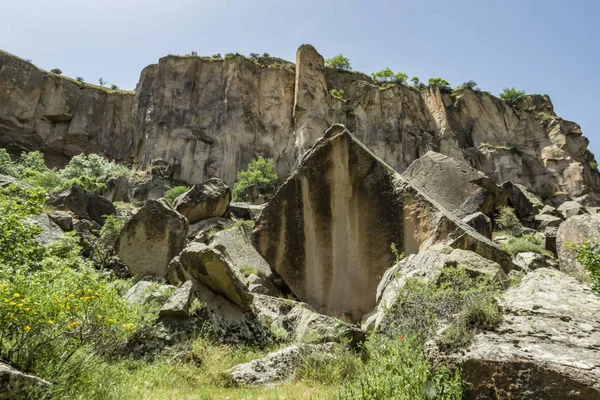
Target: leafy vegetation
{"points": [[439, 82], [526, 243], [260, 173], [337, 94], [56, 71], [83, 170], [175, 192], [512, 96], [469, 85], [588, 254], [507, 221], [80, 79], [338, 62], [101, 82], [388, 76]]}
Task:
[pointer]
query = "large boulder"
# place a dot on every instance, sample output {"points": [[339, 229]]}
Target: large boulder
{"points": [[570, 209], [546, 347], [16, 385], [208, 265], [277, 366], [50, 231], [205, 200], [575, 230], [83, 204], [480, 222], [456, 186], [329, 228], [117, 188], [151, 238]]}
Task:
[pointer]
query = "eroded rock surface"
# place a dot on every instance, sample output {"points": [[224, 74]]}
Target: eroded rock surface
{"points": [[575, 230], [546, 347], [205, 200], [16, 385], [83, 204]]}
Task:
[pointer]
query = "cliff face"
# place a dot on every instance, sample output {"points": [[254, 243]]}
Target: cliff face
{"points": [[212, 117]]}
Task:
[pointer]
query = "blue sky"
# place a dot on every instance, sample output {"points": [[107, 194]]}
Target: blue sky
{"points": [[543, 46]]}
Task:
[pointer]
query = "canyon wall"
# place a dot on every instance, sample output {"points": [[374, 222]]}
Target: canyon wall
{"points": [[213, 116]]}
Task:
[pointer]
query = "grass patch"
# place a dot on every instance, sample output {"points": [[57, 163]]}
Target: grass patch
{"points": [[526, 243]]}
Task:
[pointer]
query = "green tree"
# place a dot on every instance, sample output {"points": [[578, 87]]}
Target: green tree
{"points": [[439, 82], [385, 75], [415, 81], [339, 62], [266, 55], [194, 53], [175, 192], [101, 81], [254, 55], [80, 79], [261, 173], [469, 84], [400, 77], [56, 71], [114, 87], [512, 96]]}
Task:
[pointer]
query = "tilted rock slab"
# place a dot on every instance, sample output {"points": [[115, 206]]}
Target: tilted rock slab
{"points": [[16, 385], [204, 200], [84, 204], [574, 230], [329, 228], [151, 238], [547, 347]]}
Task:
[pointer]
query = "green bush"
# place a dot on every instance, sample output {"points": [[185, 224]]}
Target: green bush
{"points": [[398, 369], [507, 221], [526, 243], [420, 307], [261, 172], [337, 94], [588, 254], [52, 303], [80, 79], [512, 96], [56, 71], [439, 82], [103, 247], [338, 62], [7, 165], [175, 192], [470, 85], [388, 76]]}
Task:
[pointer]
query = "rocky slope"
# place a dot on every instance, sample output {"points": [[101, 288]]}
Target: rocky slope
{"points": [[211, 117]]}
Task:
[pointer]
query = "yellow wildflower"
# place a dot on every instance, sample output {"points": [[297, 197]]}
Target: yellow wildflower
{"points": [[27, 309], [50, 322], [12, 303], [27, 328], [16, 295]]}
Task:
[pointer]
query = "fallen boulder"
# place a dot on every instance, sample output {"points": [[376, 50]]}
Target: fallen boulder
{"points": [[546, 347], [178, 305], [328, 230], [84, 204], [151, 238], [205, 200]]}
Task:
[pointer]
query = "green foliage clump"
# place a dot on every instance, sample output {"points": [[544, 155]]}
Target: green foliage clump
{"points": [[512, 96], [103, 246], [588, 254], [421, 306], [230, 56], [338, 62], [593, 164], [439, 82], [175, 192], [388, 76], [398, 369], [114, 87], [53, 303], [216, 55], [398, 255], [261, 173], [244, 224], [507, 221], [523, 244], [469, 85], [80, 79], [56, 71], [337, 94]]}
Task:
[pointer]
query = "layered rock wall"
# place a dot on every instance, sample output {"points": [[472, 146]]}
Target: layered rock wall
{"points": [[213, 116]]}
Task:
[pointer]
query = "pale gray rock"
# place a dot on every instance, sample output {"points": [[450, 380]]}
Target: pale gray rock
{"points": [[530, 261], [63, 219], [570, 209], [51, 232], [236, 244], [277, 366], [178, 305], [546, 347], [575, 230], [209, 199], [151, 238], [145, 292], [544, 221], [260, 285], [480, 222], [117, 189], [201, 228], [16, 385]]}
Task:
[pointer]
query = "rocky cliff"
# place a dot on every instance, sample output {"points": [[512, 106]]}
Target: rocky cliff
{"points": [[213, 116]]}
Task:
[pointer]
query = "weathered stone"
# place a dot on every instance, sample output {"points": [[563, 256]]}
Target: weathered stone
{"points": [[575, 230], [530, 261], [245, 210], [144, 292], [296, 322], [6, 180], [549, 210], [117, 189], [457, 187], [205, 200], [151, 238], [236, 244], [16, 385], [260, 285], [550, 239], [328, 230], [178, 305], [208, 265], [544, 221], [51, 232], [63, 219], [546, 347], [518, 199], [204, 226], [88, 232], [569, 209], [277, 366], [480, 222], [83, 204], [148, 188]]}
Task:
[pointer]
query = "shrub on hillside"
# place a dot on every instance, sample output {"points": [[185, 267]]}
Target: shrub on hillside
{"points": [[588, 254], [439, 82], [526, 243], [512, 96], [261, 173], [338, 62], [175, 192], [388, 76], [56, 71], [507, 221]]}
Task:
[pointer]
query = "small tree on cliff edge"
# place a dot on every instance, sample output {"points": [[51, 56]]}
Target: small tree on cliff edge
{"points": [[261, 173], [338, 62], [512, 96]]}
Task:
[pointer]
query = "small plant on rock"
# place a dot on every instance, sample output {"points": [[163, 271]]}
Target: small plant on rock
{"points": [[261, 173], [56, 71], [512, 96], [439, 82], [507, 221], [588, 254], [338, 62], [337, 94], [175, 192]]}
